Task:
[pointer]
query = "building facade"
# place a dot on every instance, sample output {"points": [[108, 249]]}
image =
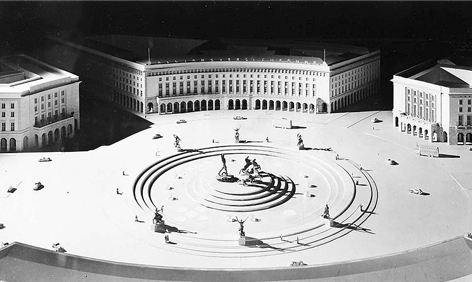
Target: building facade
{"points": [[39, 104], [230, 75], [433, 102]]}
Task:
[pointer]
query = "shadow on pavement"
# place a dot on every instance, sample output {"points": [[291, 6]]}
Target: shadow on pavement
{"points": [[351, 226], [254, 242], [449, 156]]}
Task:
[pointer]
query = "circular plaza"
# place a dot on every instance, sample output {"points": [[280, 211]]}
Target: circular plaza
{"points": [[100, 204]]}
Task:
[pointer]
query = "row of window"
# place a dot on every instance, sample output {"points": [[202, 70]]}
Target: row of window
{"points": [[4, 126], [419, 94], [49, 97], [12, 105], [240, 70], [469, 109], [469, 102], [12, 114], [238, 76], [227, 87], [460, 120], [422, 113]]}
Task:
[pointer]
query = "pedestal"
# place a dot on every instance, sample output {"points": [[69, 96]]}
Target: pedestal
{"points": [[242, 241], [159, 227]]}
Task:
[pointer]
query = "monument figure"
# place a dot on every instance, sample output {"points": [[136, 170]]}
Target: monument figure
{"points": [[224, 170], [300, 144], [241, 227], [236, 134], [158, 218], [223, 174]]}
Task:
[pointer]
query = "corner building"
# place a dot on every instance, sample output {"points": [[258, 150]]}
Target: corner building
{"points": [[433, 102], [39, 104], [165, 76]]}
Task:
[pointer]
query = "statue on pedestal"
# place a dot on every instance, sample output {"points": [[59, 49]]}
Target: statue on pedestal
{"points": [[158, 218], [300, 142], [224, 170], [236, 134], [241, 227], [223, 175]]}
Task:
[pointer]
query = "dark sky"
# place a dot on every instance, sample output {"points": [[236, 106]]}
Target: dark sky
{"points": [[29, 21]]}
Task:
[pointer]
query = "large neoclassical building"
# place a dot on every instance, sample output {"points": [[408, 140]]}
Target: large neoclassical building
{"points": [[433, 102], [165, 75], [39, 104]]}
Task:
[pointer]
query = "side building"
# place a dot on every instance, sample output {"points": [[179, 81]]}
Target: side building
{"points": [[433, 102], [39, 104], [165, 75]]}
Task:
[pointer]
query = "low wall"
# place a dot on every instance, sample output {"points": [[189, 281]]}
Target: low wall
{"points": [[444, 261]]}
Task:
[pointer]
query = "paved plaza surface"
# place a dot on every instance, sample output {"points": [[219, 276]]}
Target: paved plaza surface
{"points": [[79, 206]]}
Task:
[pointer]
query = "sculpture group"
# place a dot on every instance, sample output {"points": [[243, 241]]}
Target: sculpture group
{"points": [[250, 172]]}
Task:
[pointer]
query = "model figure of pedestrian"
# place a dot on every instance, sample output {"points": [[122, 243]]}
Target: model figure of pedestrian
{"points": [[326, 212]]}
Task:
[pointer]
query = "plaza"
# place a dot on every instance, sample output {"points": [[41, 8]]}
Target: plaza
{"points": [[80, 208]]}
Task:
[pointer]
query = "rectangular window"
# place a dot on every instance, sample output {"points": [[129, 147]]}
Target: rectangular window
{"points": [[460, 102], [460, 110], [62, 93], [12, 114], [460, 120], [3, 126], [55, 94], [469, 120], [469, 109], [35, 100], [12, 126], [469, 102], [49, 96], [12, 106], [3, 114]]}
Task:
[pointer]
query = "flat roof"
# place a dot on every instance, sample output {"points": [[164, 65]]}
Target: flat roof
{"points": [[37, 76], [161, 50]]}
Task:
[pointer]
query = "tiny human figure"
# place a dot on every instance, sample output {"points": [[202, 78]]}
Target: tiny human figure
{"points": [[118, 191], [166, 238], [177, 141], [223, 170], [360, 207], [337, 156], [124, 173], [281, 238], [360, 167], [58, 248], [326, 212], [298, 242], [136, 218], [267, 139]]}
